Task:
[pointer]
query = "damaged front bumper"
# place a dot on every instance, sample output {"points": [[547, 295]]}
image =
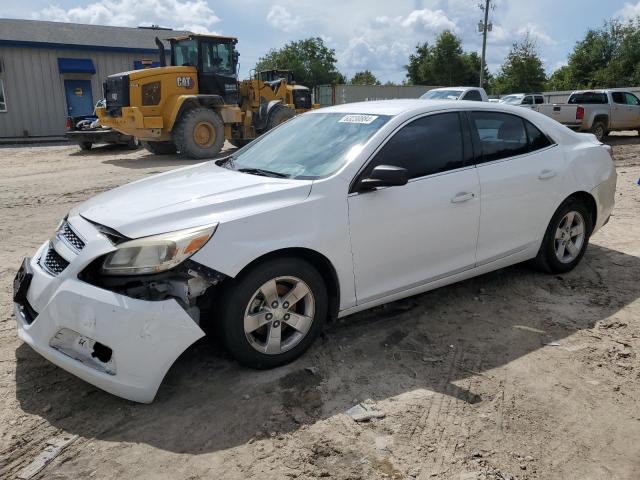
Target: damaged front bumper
{"points": [[120, 344]]}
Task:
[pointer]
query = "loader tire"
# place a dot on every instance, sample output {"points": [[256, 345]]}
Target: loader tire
{"points": [[159, 148], [199, 133], [85, 145], [279, 114]]}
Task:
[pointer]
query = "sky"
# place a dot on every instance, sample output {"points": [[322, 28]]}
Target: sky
{"points": [[366, 34]]}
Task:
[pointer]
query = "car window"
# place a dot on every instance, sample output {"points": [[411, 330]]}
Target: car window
{"points": [[537, 139], [425, 146], [500, 135], [528, 100], [442, 95], [473, 95], [539, 99], [618, 97], [588, 98], [631, 99]]}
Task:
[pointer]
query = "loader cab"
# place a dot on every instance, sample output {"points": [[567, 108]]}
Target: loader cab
{"points": [[275, 75], [216, 60]]}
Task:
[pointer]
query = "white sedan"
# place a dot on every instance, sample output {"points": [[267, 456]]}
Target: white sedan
{"points": [[335, 211]]}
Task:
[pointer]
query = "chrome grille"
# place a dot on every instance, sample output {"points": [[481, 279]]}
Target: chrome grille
{"points": [[53, 263], [71, 238]]}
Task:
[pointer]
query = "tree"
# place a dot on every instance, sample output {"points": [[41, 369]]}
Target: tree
{"points": [[310, 60], [522, 70], [364, 78], [605, 57], [444, 64]]}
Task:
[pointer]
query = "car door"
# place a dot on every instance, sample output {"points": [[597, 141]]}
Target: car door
{"points": [[520, 171], [408, 235], [620, 113], [633, 110]]}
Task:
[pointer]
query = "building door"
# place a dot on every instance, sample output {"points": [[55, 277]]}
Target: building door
{"points": [[79, 97]]}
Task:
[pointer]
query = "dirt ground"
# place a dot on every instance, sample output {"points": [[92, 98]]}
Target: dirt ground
{"points": [[512, 375]]}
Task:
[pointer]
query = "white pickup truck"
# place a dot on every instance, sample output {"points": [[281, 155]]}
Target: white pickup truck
{"points": [[597, 111]]}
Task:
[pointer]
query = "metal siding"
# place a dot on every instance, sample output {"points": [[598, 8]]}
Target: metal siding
{"points": [[34, 88], [361, 93]]}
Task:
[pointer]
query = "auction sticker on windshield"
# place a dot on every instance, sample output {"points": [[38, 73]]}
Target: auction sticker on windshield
{"points": [[366, 119]]}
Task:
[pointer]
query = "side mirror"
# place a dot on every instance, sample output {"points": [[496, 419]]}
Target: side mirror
{"points": [[384, 176]]}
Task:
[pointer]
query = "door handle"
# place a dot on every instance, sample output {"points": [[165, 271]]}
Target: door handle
{"points": [[545, 174], [462, 197]]}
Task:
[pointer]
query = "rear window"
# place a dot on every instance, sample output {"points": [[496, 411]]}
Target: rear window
{"points": [[589, 98]]}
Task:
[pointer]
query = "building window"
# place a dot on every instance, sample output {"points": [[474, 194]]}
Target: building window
{"points": [[3, 103]]}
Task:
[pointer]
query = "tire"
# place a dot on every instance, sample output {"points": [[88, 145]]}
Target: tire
{"points": [[133, 144], [240, 142], [159, 148], [279, 114], [599, 129], [548, 259], [199, 133], [243, 294], [85, 145]]}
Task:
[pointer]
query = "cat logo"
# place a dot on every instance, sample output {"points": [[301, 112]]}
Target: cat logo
{"points": [[186, 82]]}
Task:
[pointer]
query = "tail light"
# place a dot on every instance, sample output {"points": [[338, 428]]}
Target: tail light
{"points": [[579, 113], [69, 123]]}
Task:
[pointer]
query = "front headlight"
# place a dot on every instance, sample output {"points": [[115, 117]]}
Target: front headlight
{"points": [[156, 253]]}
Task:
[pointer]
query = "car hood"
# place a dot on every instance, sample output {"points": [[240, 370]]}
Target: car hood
{"points": [[202, 194]]}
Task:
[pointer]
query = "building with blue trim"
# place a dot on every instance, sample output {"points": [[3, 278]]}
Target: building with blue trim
{"points": [[52, 70]]}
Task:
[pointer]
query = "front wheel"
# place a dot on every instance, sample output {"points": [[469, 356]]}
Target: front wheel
{"points": [[199, 133], [273, 313], [566, 238]]}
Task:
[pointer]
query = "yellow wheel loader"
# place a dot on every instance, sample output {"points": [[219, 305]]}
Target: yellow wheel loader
{"points": [[196, 103]]}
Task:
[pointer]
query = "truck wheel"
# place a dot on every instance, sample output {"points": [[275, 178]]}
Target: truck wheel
{"points": [[159, 148], [599, 129], [279, 114], [133, 144], [85, 145], [240, 142], [199, 133]]}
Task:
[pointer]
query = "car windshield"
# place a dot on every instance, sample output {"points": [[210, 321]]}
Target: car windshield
{"points": [[511, 99], [308, 146], [442, 95]]}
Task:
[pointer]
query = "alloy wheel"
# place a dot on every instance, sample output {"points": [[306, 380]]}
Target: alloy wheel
{"points": [[569, 237], [279, 315]]}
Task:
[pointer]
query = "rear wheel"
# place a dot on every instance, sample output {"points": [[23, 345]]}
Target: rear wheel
{"points": [[133, 144], [199, 133], [159, 148], [273, 313], [599, 129], [85, 145], [566, 238], [279, 114]]}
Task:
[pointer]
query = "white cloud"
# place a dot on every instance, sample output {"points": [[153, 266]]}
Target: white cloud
{"points": [[280, 18], [630, 11], [193, 13], [428, 20]]}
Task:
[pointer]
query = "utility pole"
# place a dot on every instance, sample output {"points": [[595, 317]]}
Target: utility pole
{"points": [[485, 26]]}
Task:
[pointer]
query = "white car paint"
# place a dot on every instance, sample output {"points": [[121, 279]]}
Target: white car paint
{"points": [[383, 245]]}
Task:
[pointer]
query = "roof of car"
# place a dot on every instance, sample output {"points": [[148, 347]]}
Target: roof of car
{"points": [[417, 105]]}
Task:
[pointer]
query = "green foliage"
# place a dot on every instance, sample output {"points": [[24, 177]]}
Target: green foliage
{"points": [[310, 60], [605, 57], [364, 78], [522, 70], [444, 64]]}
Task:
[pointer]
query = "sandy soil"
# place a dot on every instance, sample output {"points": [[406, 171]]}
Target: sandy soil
{"points": [[512, 375]]}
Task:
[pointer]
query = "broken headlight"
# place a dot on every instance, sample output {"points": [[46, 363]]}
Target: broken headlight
{"points": [[156, 253]]}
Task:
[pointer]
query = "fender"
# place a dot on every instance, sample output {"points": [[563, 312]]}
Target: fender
{"points": [[186, 101]]}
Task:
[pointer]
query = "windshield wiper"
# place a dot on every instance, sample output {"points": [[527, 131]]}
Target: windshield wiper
{"points": [[264, 173]]}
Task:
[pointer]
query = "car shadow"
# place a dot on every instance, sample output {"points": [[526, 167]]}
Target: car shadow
{"points": [[623, 139], [436, 341]]}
